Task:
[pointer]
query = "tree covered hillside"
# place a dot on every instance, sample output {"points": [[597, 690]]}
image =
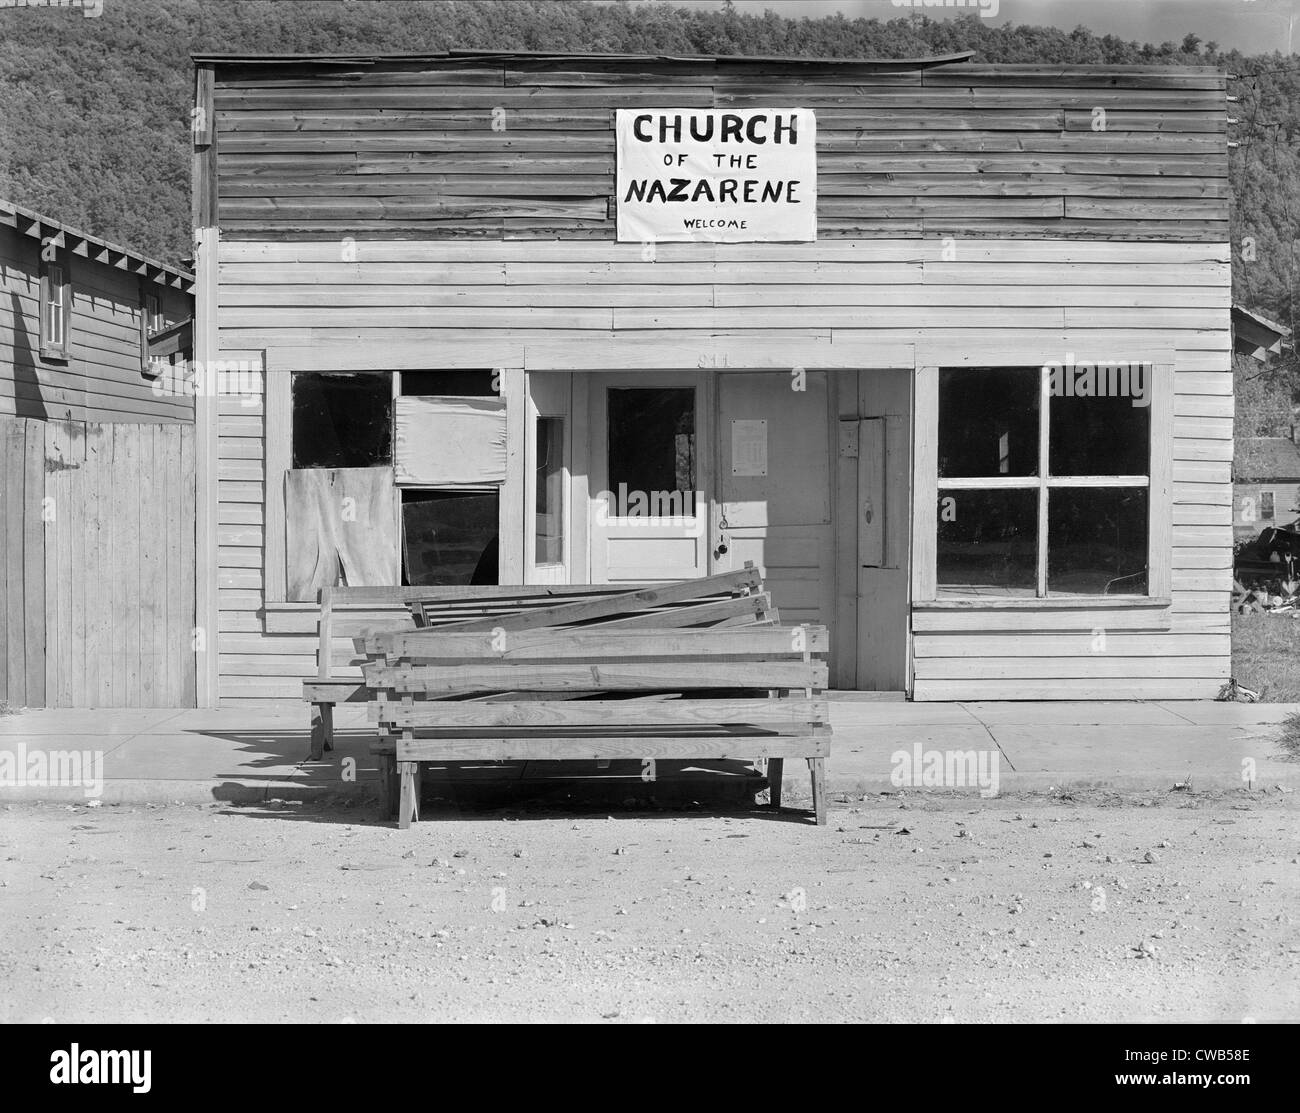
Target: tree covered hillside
{"points": [[94, 112]]}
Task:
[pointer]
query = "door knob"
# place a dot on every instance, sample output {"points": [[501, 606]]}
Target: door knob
{"points": [[868, 511]]}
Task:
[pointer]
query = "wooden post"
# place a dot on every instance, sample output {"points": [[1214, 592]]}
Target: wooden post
{"points": [[817, 767], [388, 786], [775, 767], [322, 730], [408, 808], [322, 714]]}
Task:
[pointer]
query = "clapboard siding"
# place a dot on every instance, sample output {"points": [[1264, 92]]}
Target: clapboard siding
{"points": [[519, 147], [101, 382], [1179, 651]]}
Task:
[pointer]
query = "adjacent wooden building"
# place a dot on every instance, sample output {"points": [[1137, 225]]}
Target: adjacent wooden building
{"points": [[96, 471], [949, 359]]}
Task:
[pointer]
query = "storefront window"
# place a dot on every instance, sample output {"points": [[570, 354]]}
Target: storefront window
{"points": [[549, 510], [1044, 480]]}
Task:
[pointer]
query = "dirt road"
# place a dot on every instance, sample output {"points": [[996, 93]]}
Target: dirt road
{"points": [[1097, 908]]}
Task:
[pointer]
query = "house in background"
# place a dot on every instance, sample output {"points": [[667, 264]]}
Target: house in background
{"points": [[1266, 484], [1256, 336], [96, 471], [855, 334], [1265, 470]]}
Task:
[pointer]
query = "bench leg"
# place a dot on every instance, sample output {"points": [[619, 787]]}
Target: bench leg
{"points": [[408, 809], [775, 768], [817, 767], [389, 787], [322, 729]]}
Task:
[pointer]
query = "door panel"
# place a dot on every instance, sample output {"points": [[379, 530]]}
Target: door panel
{"points": [[649, 477], [883, 530], [780, 520]]}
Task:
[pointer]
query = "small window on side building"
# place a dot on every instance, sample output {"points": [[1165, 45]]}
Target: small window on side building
{"points": [[151, 323], [56, 304]]}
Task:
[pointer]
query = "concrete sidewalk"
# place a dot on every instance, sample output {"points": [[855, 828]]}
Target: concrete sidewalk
{"points": [[247, 756]]}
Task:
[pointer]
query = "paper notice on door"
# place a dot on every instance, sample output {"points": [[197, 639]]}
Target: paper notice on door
{"points": [[749, 448]]}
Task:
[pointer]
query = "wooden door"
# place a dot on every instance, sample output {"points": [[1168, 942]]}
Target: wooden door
{"points": [[883, 530], [649, 476], [774, 491]]}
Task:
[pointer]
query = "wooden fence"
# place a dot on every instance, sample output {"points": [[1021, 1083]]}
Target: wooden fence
{"points": [[97, 564]]}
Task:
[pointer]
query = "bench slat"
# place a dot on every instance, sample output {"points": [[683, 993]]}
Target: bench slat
{"points": [[335, 690], [746, 579], [784, 716], [510, 676], [597, 644], [742, 747]]}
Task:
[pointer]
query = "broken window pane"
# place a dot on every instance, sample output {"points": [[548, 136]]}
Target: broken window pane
{"points": [[1097, 541], [449, 537], [988, 421], [652, 450], [1101, 435], [988, 542], [449, 384], [342, 419], [550, 491]]}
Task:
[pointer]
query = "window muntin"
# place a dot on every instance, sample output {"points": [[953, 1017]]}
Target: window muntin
{"points": [[1069, 517]]}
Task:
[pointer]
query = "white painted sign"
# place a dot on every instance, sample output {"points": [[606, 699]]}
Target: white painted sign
{"points": [[749, 447], [698, 175]]}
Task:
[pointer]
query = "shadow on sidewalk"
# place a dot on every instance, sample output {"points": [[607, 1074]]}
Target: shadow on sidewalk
{"points": [[343, 788]]}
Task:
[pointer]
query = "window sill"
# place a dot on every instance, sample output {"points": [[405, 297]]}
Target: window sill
{"points": [[1066, 602]]}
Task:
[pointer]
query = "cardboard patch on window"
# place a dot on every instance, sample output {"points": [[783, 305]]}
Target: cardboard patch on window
{"points": [[341, 528], [448, 442]]}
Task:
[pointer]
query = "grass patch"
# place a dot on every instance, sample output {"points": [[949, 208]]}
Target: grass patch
{"points": [[1289, 738], [5, 709], [1266, 656]]}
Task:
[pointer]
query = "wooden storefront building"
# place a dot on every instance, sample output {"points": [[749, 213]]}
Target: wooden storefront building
{"points": [[951, 364]]}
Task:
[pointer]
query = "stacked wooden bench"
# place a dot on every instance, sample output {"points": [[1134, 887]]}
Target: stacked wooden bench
{"points": [[525, 710], [727, 599], [602, 678]]}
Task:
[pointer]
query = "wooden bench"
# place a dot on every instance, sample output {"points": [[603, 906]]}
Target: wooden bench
{"points": [[731, 598], [515, 699]]}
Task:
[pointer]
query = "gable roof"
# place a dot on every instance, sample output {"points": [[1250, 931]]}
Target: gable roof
{"points": [[40, 228], [1267, 458], [1255, 335]]}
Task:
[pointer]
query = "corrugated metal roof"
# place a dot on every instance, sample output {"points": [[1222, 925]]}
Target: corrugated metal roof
{"points": [[368, 59]]}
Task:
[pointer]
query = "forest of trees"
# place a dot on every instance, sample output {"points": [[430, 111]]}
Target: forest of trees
{"points": [[94, 112]]}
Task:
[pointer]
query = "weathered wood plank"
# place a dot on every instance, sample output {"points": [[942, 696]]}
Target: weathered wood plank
{"points": [[444, 644], [684, 675], [578, 748], [783, 716]]}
